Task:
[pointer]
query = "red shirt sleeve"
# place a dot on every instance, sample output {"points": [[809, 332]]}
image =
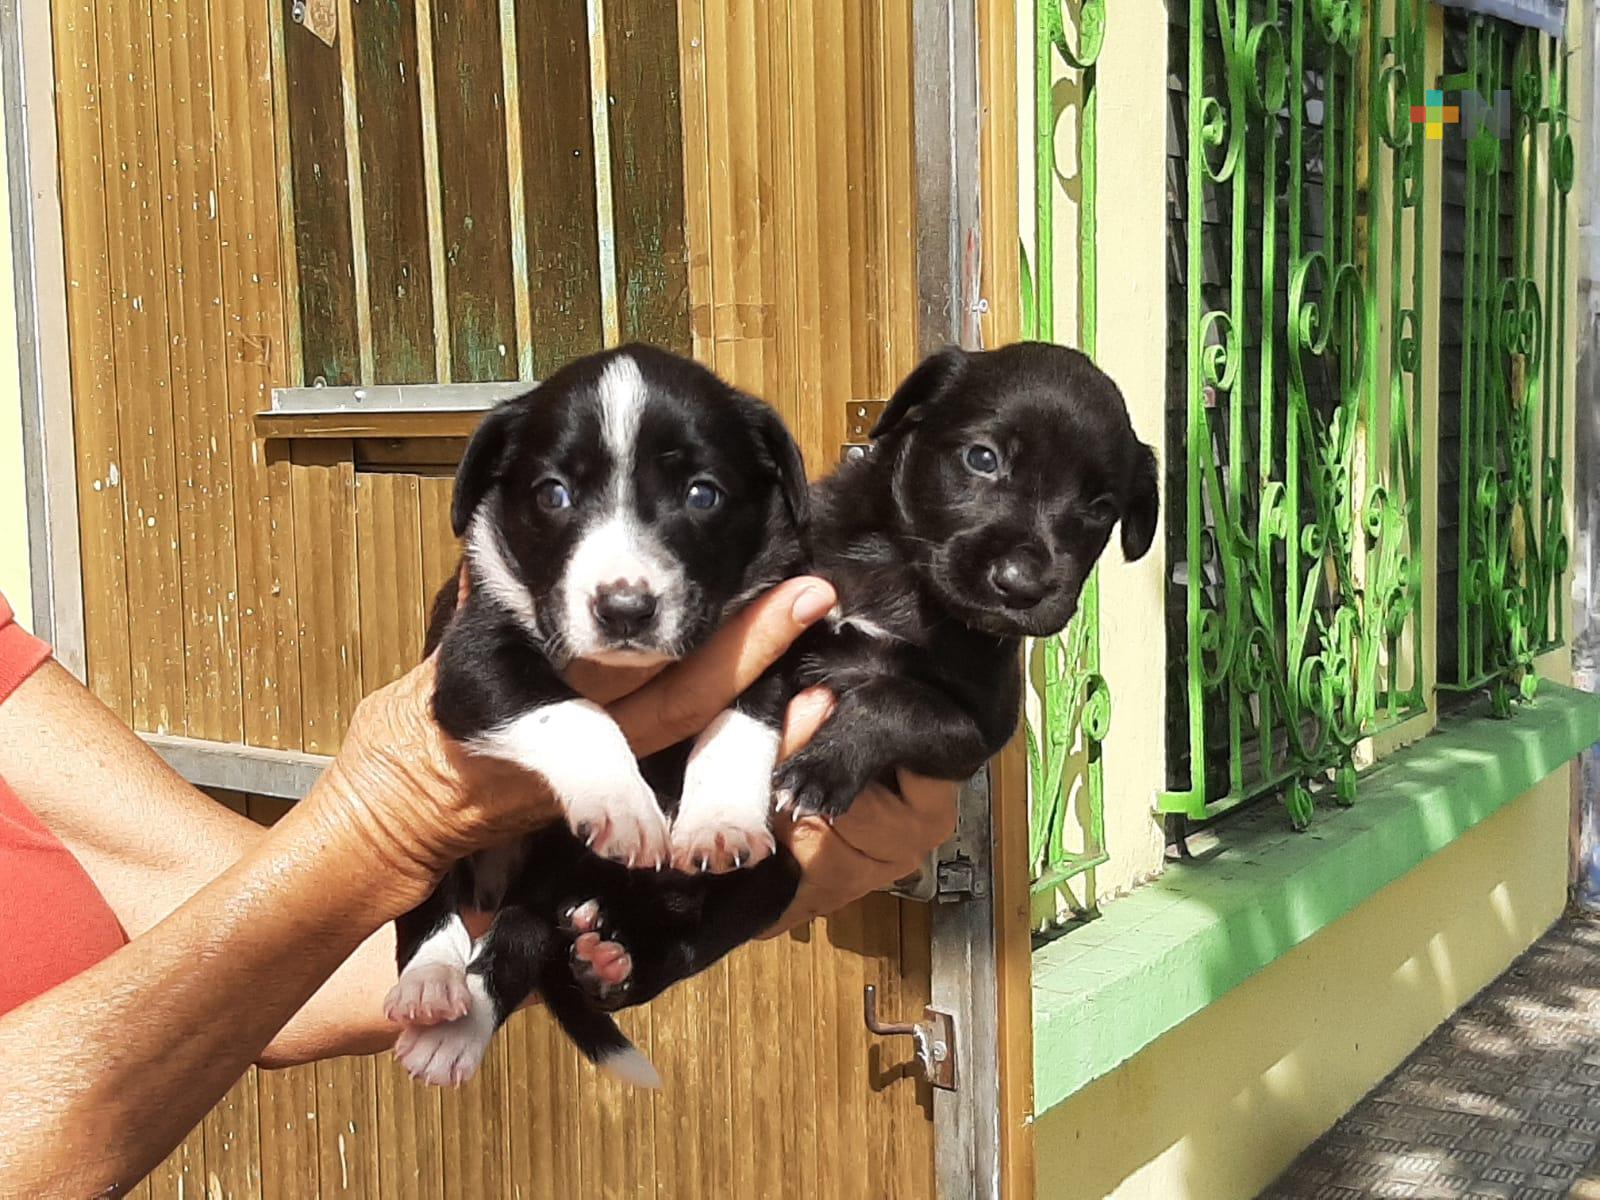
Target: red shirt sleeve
{"points": [[53, 921]]}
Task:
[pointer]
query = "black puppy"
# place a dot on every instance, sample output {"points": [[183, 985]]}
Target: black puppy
{"points": [[990, 491], [617, 514]]}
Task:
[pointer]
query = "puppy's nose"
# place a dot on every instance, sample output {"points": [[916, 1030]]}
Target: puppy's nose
{"points": [[623, 610], [1018, 579]]}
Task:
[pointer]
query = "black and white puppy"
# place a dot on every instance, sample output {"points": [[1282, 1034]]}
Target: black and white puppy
{"points": [[992, 487], [617, 514]]}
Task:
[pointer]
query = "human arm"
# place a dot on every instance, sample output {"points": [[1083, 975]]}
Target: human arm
{"points": [[149, 840], [106, 1072]]}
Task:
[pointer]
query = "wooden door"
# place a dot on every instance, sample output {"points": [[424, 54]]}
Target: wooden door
{"points": [[418, 191]]}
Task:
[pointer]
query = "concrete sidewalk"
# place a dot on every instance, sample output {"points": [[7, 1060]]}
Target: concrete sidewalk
{"points": [[1502, 1100]]}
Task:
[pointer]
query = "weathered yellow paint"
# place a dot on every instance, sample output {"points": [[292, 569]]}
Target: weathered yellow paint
{"points": [[14, 575], [1219, 1106]]}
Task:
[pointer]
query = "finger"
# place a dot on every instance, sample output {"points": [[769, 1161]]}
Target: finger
{"points": [[463, 584], [684, 698], [804, 716], [935, 803], [606, 685]]}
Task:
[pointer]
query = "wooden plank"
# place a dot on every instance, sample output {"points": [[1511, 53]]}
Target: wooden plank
{"points": [[836, 382], [326, 567], [189, 212], [183, 1172], [471, 104], [138, 330], [802, 303], [647, 172], [342, 427], [325, 316], [287, 1102], [254, 355], [561, 238], [232, 1132], [441, 553], [897, 162], [475, 1135], [733, 126], [267, 810], [389, 568], [393, 191], [97, 438], [550, 1128], [347, 1127], [698, 167]]}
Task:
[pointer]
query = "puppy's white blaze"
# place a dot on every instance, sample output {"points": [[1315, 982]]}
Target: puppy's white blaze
{"points": [[586, 760], [494, 571], [727, 782], [630, 1066], [622, 396], [449, 946]]}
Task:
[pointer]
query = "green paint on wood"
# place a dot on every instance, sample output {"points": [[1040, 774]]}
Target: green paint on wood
{"points": [[647, 172], [1160, 955], [389, 105], [326, 306], [470, 101], [562, 241]]}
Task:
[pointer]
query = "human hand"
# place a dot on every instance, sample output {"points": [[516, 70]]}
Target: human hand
{"points": [[423, 802], [880, 839]]}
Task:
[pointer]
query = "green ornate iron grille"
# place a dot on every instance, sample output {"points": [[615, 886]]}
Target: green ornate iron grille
{"points": [[1066, 780], [1503, 398], [1297, 303]]}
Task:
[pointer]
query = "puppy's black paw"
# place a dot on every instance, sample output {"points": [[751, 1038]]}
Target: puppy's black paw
{"points": [[601, 965], [816, 782]]}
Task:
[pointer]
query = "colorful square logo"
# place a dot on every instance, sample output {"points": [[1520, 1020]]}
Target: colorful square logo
{"points": [[1433, 114]]}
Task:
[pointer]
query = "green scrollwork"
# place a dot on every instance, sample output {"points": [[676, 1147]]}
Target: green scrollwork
{"points": [[1303, 225]]}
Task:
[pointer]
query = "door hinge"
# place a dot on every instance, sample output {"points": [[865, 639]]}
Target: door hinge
{"points": [[947, 876], [859, 418]]}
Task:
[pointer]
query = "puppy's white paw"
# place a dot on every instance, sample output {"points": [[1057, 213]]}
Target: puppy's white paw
{"points": [[727, 791], [590, 768], [721, 837], [619, 818], [429, 994], [448, 1054]]}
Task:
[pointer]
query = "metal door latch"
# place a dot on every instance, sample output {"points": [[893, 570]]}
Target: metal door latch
{"points": [[934, 1037]]}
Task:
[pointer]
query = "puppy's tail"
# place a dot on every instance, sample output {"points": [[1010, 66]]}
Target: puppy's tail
{"points": [[596, 1035]]}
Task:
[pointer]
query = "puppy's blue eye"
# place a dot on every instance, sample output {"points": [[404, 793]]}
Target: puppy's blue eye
{"points": [[552, 493], [982, 460], [703, 495]]}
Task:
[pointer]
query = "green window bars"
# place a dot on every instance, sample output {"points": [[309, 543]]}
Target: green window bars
{"points": [[1295, 531], [1508, 169], [1073, 704]]}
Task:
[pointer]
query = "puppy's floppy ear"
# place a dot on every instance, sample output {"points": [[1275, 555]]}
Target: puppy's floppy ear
{"points": [[1141, 504], [782, 456], [932, 378], [481, 464]]}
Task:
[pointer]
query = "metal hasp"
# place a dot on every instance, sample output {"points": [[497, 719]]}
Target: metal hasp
{"points": [[934, 1037]]}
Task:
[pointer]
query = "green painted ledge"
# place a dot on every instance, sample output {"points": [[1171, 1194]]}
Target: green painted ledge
{"points": [[1161, 954]]}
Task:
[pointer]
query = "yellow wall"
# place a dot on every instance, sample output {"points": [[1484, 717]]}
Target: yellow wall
{"points": [[13, 513], [1219, 1106]]}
